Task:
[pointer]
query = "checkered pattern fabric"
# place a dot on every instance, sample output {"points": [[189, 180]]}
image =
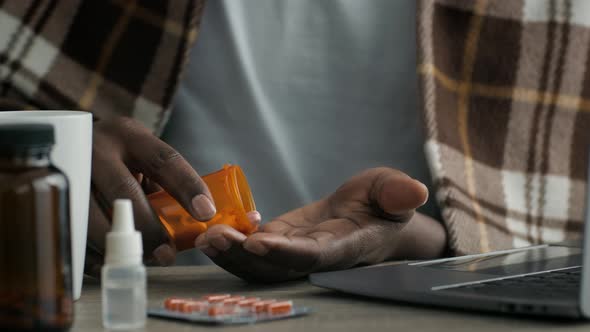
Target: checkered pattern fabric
{"points": [[506, 103], [107, 57], [505, 89]]}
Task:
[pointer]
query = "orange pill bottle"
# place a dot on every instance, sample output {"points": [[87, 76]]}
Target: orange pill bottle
{"points": [[233, 199]]}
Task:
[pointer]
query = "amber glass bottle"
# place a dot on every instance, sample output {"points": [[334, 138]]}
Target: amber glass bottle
{"points": [[35, 263]]}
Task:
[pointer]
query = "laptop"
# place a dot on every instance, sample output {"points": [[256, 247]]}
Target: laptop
{"points": [[547, 280]]}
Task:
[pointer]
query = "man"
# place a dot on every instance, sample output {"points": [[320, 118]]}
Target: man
{"points": [[318, 92], [284, 138], [361, 222]]}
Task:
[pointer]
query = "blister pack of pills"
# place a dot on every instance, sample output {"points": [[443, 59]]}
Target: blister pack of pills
{"points": [[225, 309]]}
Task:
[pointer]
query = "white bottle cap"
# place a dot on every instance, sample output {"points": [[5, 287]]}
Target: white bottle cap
{"points": [[123, 245]]}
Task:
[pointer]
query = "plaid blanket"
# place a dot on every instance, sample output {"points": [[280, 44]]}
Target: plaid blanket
{"points": [[107, 57], [506, 103], [505, 95]]}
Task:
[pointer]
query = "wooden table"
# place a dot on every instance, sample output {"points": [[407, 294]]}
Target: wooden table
{"points": [[332, 311]]}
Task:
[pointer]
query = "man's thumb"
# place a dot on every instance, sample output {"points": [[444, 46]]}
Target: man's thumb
{"points": [[397, 194]]}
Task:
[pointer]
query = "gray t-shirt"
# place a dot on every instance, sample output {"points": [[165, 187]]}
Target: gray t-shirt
{"points": [[302, 94]]}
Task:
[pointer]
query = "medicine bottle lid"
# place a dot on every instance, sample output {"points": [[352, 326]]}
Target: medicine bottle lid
{"points": [[19, 137]]}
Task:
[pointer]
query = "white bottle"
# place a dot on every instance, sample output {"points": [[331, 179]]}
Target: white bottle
{"points": [[124, 299]]}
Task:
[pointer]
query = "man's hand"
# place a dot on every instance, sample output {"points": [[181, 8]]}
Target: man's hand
{"points": [[367, 220], [127, 159]]}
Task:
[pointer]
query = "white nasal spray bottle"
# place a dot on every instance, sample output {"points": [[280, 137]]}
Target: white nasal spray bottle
{"points": [[124, 298]]}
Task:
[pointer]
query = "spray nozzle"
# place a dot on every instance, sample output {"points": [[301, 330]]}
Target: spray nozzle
{"points": [[122, 216]]}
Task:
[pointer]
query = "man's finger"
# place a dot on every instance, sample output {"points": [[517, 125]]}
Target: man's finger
{"points": [[254, 217], [112, 180], [298, 253], [98, 226], [93, 262], [149, 186], [164, 165], [220, 237]]}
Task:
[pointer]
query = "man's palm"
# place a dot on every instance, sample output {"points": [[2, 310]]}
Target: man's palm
{"points": [[357, 224]]}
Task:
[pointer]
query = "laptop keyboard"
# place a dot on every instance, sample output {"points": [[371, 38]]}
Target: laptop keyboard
{"points": [[556, 284]]}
